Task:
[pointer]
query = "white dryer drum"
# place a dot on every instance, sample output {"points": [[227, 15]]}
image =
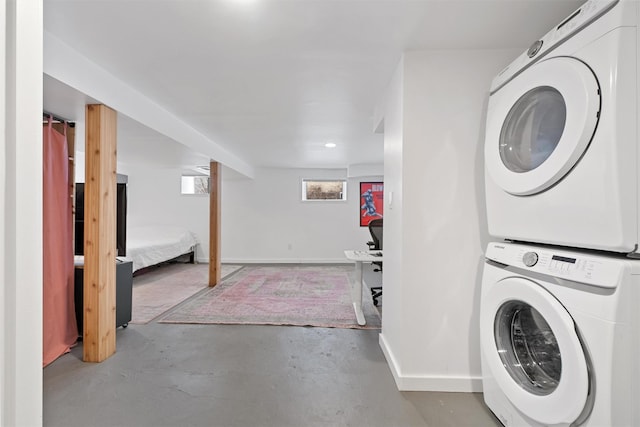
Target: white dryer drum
{"points": [[532, 349], [542, 123]]}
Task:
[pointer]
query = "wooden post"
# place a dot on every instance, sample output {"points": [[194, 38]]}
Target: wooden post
{"points": [[214, 224], [100, 234]]}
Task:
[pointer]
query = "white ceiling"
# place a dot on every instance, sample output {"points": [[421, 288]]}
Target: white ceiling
{"points": [[272, 81]]}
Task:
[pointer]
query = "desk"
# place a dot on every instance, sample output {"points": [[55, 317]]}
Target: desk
{"points": [[360, 257]]}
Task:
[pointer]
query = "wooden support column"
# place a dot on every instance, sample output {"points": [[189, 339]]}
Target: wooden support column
{"points": [[100, 234], [214, 224]]}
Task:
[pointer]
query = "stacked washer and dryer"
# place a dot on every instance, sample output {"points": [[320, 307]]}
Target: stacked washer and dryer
{"points": [[560, 300]]}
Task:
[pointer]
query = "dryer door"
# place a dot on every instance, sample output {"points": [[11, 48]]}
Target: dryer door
{"points": [[533, 351], [540, 124]]}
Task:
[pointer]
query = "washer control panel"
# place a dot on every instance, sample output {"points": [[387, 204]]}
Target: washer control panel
{"points": [[597, 270]]}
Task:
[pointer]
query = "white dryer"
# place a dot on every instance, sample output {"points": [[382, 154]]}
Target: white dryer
{"points": [[559, 334], [561, 146]]}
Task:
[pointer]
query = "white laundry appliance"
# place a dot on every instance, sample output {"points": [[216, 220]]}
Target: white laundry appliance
{"points": [[561, 147], [559, 336]]}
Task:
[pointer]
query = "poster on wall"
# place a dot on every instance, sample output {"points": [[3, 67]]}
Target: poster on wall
{"points": [[371, 202]]}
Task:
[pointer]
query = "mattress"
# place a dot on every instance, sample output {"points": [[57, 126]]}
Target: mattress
{"points": [[150, 245]]}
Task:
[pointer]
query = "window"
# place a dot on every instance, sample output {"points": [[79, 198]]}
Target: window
{"points": [[195, 184], [318, 189]]}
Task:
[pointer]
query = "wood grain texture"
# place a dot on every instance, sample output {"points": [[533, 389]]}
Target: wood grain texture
{"points": [[214, 223], [100, 234]]}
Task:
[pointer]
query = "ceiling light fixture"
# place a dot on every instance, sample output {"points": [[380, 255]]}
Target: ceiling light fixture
{"points": [[330, 145]]}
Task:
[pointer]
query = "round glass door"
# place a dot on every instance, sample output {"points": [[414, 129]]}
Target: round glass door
{"points": [[540, 124], [532, 129], [528, 348], [532, 350]]}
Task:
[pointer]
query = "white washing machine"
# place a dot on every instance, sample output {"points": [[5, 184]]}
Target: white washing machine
{"points": [[561, 147], [559, 333]]}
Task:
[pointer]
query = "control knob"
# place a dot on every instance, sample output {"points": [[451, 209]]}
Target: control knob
{"points": [[530, 259], [534, 48]]}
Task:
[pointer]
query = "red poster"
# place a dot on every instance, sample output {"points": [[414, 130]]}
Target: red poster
{"points": [[371, 202]]}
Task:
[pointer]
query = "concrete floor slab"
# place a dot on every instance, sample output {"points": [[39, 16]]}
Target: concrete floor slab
{"points": [[245, 376]]}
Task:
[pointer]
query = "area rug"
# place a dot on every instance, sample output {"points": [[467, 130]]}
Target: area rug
{"points": [[164, 287], [280, 295]]}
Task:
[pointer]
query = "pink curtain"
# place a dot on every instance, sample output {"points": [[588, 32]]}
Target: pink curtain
{"points": [[60, 331]]}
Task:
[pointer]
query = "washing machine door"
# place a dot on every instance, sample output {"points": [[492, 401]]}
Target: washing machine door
{"points": [[540, 124], [533, 351]]}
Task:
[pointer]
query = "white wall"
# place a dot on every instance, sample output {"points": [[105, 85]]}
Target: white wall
{"points": [[154, 198], [20, 213], [393, 338], [436, 233], [264, 219]]}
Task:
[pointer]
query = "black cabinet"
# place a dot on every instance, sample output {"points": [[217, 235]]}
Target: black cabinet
{"points": [[124, 285]]}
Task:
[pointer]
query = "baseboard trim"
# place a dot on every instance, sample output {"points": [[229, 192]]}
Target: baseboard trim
{"points": [[391, 360], [286, 261], [427, 383]]}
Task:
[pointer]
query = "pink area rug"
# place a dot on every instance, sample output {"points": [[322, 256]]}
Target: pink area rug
{"points": [[276, 295], [166, 286]]}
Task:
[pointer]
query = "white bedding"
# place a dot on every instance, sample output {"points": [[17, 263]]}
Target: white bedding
{"points": [[150, 245]]}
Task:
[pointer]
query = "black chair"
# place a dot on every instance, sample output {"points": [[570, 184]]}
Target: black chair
{"points": [[375, 228]]}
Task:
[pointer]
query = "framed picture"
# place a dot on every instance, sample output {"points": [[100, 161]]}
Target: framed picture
{"points": [[371, 202]]}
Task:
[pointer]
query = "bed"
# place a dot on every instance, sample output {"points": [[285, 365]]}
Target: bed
{"points": [[151, 245]]}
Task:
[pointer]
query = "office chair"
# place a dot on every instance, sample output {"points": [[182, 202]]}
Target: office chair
{"points": [[375, 228]]}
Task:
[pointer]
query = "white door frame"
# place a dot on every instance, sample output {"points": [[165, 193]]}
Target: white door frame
{"points": [[21, 212]]}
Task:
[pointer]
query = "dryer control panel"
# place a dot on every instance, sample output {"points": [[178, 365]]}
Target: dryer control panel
{"points": [[597, 270], [586, 14]]}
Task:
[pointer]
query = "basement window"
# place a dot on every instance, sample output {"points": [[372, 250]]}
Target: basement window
{"points": [[322, 189], [195, 184]]}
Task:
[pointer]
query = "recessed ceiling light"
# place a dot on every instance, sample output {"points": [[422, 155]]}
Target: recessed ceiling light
{"points": [[330, 145]]}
